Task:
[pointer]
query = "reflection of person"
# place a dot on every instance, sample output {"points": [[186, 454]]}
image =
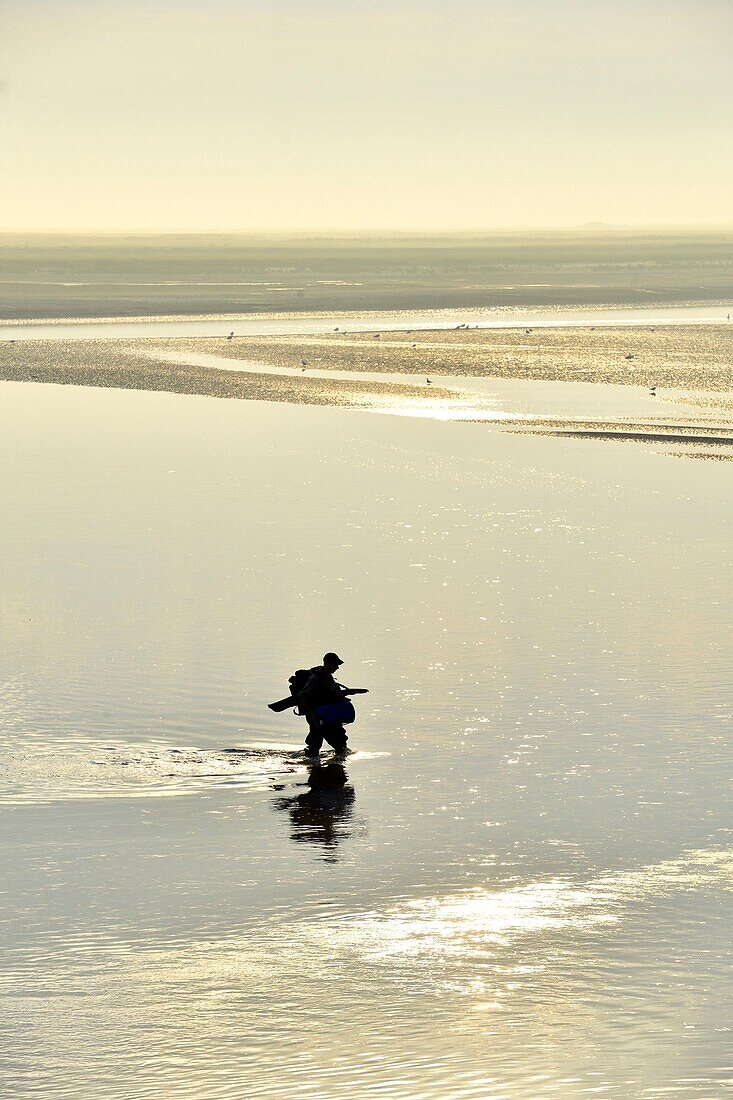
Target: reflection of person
{"points": [[322, 814], [325, 706]]}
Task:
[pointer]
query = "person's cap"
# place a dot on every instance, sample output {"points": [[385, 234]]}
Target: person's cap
{"points": [[332, 658]]}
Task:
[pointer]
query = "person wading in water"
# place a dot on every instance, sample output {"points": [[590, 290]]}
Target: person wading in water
{"points": [[326, 707]]}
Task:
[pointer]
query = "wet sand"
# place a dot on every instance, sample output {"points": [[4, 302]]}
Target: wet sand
{"points": [[694, 357], [426, 373]]}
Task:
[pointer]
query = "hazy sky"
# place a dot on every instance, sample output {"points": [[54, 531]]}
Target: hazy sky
{"points": [[280, 114]]}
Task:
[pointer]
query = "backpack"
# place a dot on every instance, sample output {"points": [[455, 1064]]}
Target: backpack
{"points": [[298, 680]]}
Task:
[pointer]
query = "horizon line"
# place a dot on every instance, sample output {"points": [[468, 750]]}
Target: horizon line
{"points": [[330, 231]]}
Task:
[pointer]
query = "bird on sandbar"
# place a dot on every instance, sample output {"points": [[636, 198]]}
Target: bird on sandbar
{"points": [[428, 381], [230, 336], [629, 357], [653, 391], [303, 364]]}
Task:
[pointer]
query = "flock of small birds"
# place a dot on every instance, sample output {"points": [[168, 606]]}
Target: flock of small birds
{"points": [[429, 381]]}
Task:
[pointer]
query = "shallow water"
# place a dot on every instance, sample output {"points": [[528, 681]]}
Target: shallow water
{"points": [[524, 888]]}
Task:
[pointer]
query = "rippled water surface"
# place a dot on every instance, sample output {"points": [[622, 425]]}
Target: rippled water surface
{"points": [[522, 886]]}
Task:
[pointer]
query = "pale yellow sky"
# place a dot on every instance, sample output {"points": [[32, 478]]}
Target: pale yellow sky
{"points": [[413, 114]]}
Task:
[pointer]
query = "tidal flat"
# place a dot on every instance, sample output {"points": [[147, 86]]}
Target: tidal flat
{"points": [[524, 887], [662, 384]]}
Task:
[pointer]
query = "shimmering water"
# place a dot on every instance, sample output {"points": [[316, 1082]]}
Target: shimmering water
{"points": [[524, 887]]}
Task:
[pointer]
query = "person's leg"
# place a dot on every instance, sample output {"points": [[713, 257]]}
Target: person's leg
{"points": [[314, 738], [336, 737]]}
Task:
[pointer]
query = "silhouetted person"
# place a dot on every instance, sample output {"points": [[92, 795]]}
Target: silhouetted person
{"points": [[325, 706]]}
